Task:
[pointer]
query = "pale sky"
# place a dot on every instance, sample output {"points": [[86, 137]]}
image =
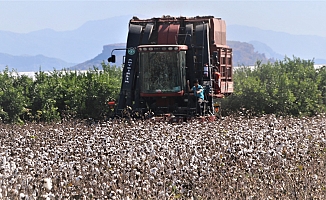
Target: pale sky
{"points": [[295, 17]]}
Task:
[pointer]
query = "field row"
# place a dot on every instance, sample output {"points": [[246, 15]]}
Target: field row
{"points": [[233, 158]]}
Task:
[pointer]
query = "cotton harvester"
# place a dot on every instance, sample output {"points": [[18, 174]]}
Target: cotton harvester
{"points": [[163, 53]]}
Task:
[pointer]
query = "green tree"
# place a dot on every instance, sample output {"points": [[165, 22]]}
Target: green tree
{"points": [[13, 99], [288, 87], [322, 83]]}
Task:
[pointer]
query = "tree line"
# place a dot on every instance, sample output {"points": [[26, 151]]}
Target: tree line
{"points": [[287, 87], [57, 95]]}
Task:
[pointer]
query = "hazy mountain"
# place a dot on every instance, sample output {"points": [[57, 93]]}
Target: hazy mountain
{"points": [[245, 54], [106, 53], [263, 48], [303, 46], [74, 46], [31, 63], [85, 44]]}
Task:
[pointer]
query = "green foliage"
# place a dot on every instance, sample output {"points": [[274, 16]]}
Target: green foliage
{"points": [[288, 87], [58, 95], [322, 83], [13, 100]]}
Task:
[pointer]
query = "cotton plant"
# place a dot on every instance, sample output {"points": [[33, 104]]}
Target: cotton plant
{"points": [[237, 157]]}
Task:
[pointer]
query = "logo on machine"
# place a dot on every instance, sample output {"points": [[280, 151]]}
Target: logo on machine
{"points": [[131, 51], [128, 72]]}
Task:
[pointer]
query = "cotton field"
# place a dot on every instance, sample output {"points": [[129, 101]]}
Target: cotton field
{"points": [[232, 158]]}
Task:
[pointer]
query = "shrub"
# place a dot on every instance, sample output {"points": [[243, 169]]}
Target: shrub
{"points": [[288, 87]]}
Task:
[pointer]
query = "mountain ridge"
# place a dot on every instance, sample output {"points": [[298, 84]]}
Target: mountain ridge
{"points": [[32, 63], [86, 42], [285, 44]]}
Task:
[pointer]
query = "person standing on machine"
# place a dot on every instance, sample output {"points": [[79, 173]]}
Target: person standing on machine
{"points": [[198, 91]]}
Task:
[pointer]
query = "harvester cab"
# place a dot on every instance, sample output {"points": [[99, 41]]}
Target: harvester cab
{"points": [[163, 53]]}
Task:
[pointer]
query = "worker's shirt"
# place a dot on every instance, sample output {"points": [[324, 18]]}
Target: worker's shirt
{"points": [[201, 94]]}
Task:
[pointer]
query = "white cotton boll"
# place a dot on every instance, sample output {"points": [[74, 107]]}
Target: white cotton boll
{"points": [[103, 157], [161, 193], [12, 165], [4, 193], [153, 170], [47, 183], [94, 183], [323, 140], [160, 165], [79, 178], [105, 186], [45, 196], [18, 186], [143, 157], [15, 192], [137, 173], [50, 196], [4, 160], [95, 162], [279, 147]]}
